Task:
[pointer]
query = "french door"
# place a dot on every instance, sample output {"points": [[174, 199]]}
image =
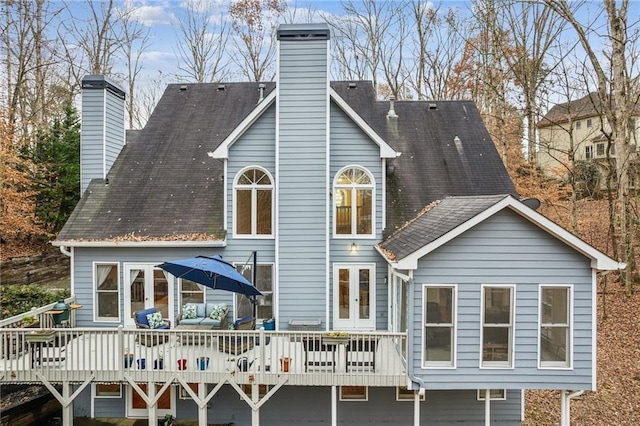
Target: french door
{"points": [[354, 296], [137, 407], [146, 287]]}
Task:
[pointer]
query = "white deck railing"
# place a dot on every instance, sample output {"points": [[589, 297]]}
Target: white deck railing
{"points": [[264, 357]]}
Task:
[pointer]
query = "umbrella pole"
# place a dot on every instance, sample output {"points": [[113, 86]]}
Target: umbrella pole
{"points": [[255, 284]]}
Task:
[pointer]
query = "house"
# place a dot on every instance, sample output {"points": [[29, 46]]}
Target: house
{"points": [[395, 222], [577, 131]]}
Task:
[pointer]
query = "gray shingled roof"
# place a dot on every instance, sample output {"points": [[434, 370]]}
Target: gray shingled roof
{"points": [[587, 106], [164, 184], [432, 224]]}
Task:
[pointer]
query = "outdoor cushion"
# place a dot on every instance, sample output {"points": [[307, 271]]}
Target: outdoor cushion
{"points": [[155, 320], [141, 316], [218, 312], [201, 310], [191, 321], [189, 311], [209, 322]]}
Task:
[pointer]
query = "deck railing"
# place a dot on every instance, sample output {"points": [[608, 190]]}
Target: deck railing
{"points": [[266, 357]]}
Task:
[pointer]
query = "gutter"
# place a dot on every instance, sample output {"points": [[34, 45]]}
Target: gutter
{"points": [[64, 250], [207, 243], [410, 337]]}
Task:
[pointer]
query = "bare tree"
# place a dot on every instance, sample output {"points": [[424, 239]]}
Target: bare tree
{"points": [[618, 94], [254, 25], [201, 44]]}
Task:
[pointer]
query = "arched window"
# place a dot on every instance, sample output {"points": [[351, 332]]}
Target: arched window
{"points": [[253, 203], [353, 202]]}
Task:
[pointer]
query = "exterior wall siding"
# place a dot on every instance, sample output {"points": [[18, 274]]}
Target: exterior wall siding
{"points": [[350, 146], [302, 179], [478, 257], [290, 405]]}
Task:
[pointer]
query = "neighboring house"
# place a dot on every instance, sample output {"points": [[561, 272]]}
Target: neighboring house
{"points": [[395, 222], [576, 130]]}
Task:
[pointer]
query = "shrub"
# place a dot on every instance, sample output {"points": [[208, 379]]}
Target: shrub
{"points": [[17, 299]]}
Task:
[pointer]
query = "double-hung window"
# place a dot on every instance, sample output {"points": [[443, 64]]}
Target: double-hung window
{"points": [[439, 326], [353, 211], [191, 292], [497, 326], [253, 203], [555, 326], [264, 278], [107, 292]]}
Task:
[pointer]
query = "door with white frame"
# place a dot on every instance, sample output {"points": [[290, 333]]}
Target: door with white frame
{"points": [[354, 296], [146, 287], [137, 407]]}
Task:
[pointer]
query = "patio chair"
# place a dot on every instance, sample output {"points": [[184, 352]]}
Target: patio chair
{"points": [[238, 344], [318, 354], [141, 319]]}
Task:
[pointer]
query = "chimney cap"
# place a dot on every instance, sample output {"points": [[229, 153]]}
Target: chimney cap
{"points": [[100, 82], [302, 32]]}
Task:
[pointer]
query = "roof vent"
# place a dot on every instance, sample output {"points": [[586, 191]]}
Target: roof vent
{"points": [[261, 87], [433, 105], [352, 85], [183, 88], [532, 203], [392, 111], [221, 87]]}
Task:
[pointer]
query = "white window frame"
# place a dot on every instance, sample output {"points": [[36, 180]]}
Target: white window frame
{"points": [[405, 395], [578, 124], [502, 394], [365, 397], [556, 365], [354, 214], [589, 122], [588, 152], [181, 291], [96, 395], [454, 326], [96, 293], [254, 203], [236, 297], [512, 325]]}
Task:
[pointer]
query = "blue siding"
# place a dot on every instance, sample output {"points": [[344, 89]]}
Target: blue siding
{"points": [[302, 179], [506, 249]]}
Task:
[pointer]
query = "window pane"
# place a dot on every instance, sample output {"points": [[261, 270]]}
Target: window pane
{"points": [[344, 178], [107, 390], [364, 211], [191, 292], [554, 344], [439, 305], [438, 344], [497, 305], [361, 177], [263, 221], [343, 289], [243, 212], [363, 298], [246, 178], [554, 306], [107, 277], [495, 345], [108, 305], [343, 211]]}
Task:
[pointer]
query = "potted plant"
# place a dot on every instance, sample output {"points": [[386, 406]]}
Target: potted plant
{"points": [[335, 337], [30, 321]]}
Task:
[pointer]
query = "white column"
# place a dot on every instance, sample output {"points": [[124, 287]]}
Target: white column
{"points": [[564, 408], [416, 408], [202, 409], [67, 410], [255, 397], [334, 405], [487, 407], [151, 409]]}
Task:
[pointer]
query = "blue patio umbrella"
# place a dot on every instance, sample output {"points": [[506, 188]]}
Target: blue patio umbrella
{"points": [[213, 272]]}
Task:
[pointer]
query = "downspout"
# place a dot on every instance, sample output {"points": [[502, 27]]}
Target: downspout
{"points": [[565, 406], [410, 338], [65, 251]]}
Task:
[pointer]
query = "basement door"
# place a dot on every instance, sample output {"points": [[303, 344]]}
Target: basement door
{"points": [[137, 407], [354, 296], [145, 287]]}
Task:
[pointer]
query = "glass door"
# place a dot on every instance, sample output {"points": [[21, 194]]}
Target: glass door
{"points": [[137, 407], [146, 287], [354, 297]]}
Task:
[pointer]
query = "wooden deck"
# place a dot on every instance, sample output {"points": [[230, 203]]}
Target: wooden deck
{"points": [[75, 355]]}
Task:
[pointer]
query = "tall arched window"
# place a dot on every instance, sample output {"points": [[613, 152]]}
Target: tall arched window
{"points": [[353, 202], [253, 203]]}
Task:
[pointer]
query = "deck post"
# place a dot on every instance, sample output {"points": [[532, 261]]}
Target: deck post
{"points": [[416, 408], [202, 408], [563, 408], [334, 405], [151, 392], [487, 407], [255, 397], [67, 409]]}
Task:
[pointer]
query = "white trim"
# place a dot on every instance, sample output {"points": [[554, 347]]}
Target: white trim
{"points": [[104, 135], [354, 323], [181, 303], [225, 194], [159, 243], [499, 365], [594, 331], [480, 395], [385, 150], [383, 193], [354, 213], [276, 193], [440, 365], [328, 204], [254, 203], [222, 151], [570, 324], [94, 286], [148, 268], [94, 391], [598, 259]]}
